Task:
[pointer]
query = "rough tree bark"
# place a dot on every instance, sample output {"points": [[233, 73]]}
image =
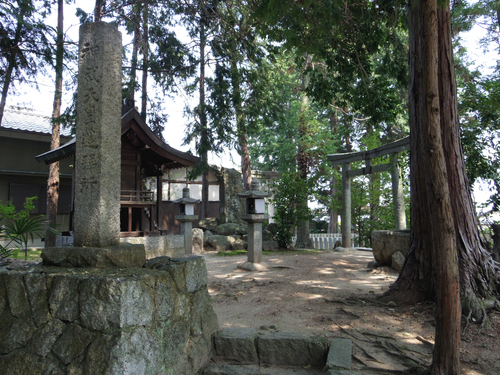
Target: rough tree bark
{"points": [[430, 252], [203, 120], [303, 239], [145, 60], [53, 180]]}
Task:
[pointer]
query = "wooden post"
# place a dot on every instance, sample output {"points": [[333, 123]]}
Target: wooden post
{"points": [[346, 205], [159, 201]]}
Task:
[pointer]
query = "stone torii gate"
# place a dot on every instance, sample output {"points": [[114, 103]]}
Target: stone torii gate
{"points": [[397, 191]]}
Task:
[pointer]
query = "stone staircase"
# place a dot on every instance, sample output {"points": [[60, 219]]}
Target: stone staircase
{"points": [[247, 351]]}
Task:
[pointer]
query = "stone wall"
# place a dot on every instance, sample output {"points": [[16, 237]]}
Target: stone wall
{"points": [[171, 245], [153, 320]]}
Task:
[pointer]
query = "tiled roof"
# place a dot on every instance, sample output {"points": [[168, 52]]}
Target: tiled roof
{"points": [[27, 120]]}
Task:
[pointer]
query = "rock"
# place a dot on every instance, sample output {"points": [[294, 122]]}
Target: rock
{"points": [[158, 262], [230, 229], [72, 343], [339, 355], [273, 228], [64, 299], [372, 264], [292, 349], [239, 245], [269, 245], [341, 249], [337, 244], [122, 255], [210, 223], [387, 242], [398, 261], [237, 344], [221, 243], [198, 240], [206, 235], [267, 235]]}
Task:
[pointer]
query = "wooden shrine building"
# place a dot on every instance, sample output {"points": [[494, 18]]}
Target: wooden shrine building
{"points": [[143, 156]]}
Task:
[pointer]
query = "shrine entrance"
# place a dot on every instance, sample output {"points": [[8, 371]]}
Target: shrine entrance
{"points": [[345, 161]]}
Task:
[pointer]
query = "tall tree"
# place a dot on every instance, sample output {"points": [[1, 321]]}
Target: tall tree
{"points": [[478, 274], [53, 181], [25, 45], [433, 114]]}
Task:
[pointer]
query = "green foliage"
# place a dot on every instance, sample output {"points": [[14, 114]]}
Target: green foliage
{"points": [[288, 191], [479, 104], [19, 227]]}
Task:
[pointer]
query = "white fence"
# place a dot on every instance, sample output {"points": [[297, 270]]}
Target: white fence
{"points": [[323, 241]]}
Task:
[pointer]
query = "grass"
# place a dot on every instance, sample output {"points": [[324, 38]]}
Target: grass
{"points": [[19, 254], [244, 252]]}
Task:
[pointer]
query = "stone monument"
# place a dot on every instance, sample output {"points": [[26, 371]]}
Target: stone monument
{"points": [[186, 217], [255, 216], [118, 315], [98, 136], [98, 157]]}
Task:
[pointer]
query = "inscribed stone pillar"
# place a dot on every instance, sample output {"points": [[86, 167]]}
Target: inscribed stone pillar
{"points": [[98, 133]]}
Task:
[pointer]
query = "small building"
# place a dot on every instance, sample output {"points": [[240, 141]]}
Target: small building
{"points": [[145, 160], [23, 135]]}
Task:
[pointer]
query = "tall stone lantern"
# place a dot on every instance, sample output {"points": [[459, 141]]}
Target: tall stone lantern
{"points": [[186, 217], [255, 215]]}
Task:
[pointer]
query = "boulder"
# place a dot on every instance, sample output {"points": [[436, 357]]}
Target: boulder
{"points": [[398, 260], [267, 235], [273, 228], [269, 245], [387, 242], [210, 223], [230, 229], [221, 243], [239, 245], [198, 239]]}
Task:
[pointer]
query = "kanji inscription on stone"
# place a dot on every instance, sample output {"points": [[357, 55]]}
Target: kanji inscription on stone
{"points": [[98, 133]]}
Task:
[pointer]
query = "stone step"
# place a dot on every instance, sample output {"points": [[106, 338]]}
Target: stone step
{"points": [[247, 346], [228, 369]]}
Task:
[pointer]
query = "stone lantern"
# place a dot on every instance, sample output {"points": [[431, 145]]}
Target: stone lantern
{"points": [[255, 215], [186, 217]]}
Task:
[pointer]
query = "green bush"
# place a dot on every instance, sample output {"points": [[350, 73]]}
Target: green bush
{"points": [[20, 227]]}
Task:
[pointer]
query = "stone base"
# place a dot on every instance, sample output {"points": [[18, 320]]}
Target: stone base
{"points": [[154, 320], [123, 255], [250, 266]]}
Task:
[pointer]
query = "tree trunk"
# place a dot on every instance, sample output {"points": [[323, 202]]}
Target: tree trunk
{"points": [[443, 216], [11, 64], [145, 61], [203, 123], [303, 239], [53, 181], [98, 10], [246, 169], [479, 275], [132, 85]]}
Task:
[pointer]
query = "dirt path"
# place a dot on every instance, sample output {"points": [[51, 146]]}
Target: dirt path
{"points": [[333, 294]]}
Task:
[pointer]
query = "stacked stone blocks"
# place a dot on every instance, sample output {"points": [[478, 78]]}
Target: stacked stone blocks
{"points": [[106, 321]]}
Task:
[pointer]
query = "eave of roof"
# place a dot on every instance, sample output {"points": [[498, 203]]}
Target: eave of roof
{"points": [[130, 120]]}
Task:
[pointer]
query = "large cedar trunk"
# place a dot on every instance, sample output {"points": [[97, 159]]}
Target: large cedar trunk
{"points": [[203, 124], [479, 275], [53, 181]]}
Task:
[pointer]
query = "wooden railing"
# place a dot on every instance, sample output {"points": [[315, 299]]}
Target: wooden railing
{"points": [[136, 196]]}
